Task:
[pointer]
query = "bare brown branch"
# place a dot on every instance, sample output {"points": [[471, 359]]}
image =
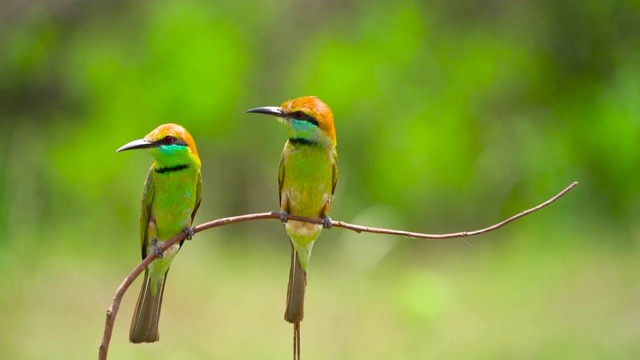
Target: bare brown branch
{"points": [[359, 229], [117, 298]]}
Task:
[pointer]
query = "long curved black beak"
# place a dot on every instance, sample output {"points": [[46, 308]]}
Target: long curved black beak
{"points": [[136, 144], [267, 110]]}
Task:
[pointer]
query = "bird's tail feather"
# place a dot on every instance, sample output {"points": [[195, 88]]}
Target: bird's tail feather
{"points": [[296, 289], [144, 325]]}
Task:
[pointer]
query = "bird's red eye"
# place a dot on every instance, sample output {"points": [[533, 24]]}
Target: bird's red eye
{"points": [[169, 139], [298, 115]]}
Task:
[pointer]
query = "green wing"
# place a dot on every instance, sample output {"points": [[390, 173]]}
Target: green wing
{"points": [[198, 199], [280, 178], [145, 211], [334, 180]]}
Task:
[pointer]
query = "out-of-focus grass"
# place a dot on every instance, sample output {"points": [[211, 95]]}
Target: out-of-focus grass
{"points": [[447, 300]]}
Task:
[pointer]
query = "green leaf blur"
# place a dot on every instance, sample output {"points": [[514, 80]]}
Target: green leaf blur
{"points": [[450, 115]]}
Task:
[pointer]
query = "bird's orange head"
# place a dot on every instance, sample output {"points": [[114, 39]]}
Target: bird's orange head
{"points": [[306, 117], [168, 143]]}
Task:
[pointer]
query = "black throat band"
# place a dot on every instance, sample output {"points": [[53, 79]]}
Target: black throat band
{"points": [[300, 141], [172, 168]]}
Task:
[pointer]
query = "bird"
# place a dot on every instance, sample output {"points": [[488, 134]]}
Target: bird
{"points": [[307, 177], [170, 199]]}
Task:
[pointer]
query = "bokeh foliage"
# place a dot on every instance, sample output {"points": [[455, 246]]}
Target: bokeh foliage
{"points": [[451, 115]]}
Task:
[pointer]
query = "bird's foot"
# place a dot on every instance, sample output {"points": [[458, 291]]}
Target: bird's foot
{"points": [[327, 222], [187, 230], [156, 249], [284, 216]]}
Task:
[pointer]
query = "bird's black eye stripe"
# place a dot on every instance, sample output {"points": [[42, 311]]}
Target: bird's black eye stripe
{"points": [[299, 115], [170, 140]]}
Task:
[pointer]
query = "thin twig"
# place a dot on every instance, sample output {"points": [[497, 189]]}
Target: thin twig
{"points": [[117, 298], [359, 229]]}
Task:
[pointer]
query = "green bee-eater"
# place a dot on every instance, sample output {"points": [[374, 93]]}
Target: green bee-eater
{"points": [[170, 200], [306, 181]]}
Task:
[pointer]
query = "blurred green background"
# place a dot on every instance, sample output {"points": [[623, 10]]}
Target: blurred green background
{"points": [[451, 115]]}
